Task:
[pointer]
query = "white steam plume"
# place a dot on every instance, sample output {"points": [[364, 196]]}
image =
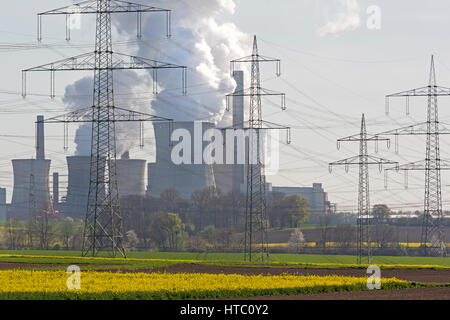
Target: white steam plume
{"points": [[346, 18], [198, 41]]}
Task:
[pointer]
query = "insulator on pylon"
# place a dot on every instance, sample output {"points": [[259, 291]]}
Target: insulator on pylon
{"points": [[387, 106], [385, 179], [52, 83], [406, 179], [330, 168], [67, 27], [338, 145], [169, 24], [388, 143], [288, 136], [397, 167], [407, 105], [283, 102], [24, 84], [380, 166], [227, 102], [184, 81], [346, 167], [39, 28], [155, 80], [396, 142], [141, 134], [66, 136], [376, 145], [278, 71], [139, 25]]}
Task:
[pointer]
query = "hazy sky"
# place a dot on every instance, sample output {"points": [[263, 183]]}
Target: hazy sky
{"points": [[334, 69]]}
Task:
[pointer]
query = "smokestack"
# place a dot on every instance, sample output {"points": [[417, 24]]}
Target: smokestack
{"points": [[238, 101], [55, 188], [40, 146]]}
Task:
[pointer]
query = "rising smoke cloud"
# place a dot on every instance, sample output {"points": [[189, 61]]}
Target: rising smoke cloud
{"points": [[346, 18], [198, 41]]}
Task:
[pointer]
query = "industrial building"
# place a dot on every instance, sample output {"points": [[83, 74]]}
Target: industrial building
{"points": [[316, 196], [186, 178]]}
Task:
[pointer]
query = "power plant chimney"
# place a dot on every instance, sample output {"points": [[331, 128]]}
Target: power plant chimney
{"points": [[238, 122], [55, 189], [40, 145], [238, 101]]}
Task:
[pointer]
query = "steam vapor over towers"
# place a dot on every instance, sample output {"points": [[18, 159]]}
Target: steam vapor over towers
{"points": [[363, 160], [256, 221], [103, 222], [433, 237]]}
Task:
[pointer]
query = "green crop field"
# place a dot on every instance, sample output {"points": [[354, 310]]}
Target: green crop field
{"points": [[166, 258]]}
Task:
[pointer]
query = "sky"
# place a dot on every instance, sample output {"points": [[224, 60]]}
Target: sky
{"points": [[334, 68]]}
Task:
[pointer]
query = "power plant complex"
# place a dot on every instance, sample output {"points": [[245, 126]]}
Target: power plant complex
{"points": [[31, 190]]}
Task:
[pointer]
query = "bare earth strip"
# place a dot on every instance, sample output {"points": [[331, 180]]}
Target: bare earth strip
{"points": [[433, 293]]}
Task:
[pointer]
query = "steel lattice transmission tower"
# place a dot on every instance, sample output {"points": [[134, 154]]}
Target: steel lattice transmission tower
{"points": [[103, 222], [363, 160], [433, 237], [256, 221]]}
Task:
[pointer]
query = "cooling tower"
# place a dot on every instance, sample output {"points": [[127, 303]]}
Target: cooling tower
{"points": [[130, 177], [2, 204], [31, 187], [31, 183], [186, 178], [78, 186]]}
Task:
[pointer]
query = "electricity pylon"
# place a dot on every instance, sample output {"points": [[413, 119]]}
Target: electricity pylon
{"points": [[433, 237], [103, 221], [256, 221], [363, 160]]}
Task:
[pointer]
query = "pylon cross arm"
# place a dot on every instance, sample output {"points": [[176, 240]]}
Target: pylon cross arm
{"points": [[356, 160], [415, 129], [249, 92], [90, 7], [120, 115], [86, 61], [423, 91], [420, 165]]}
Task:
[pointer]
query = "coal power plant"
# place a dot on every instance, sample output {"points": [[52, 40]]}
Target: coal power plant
{"points": [[136, 177]]}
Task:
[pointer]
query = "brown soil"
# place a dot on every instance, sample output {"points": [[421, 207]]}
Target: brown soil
{"points": [[431, 293]]}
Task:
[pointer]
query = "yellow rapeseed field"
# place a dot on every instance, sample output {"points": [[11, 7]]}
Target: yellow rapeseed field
{"points": [[38, 284]]}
